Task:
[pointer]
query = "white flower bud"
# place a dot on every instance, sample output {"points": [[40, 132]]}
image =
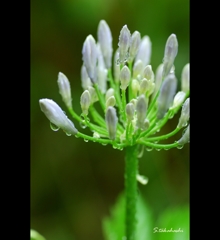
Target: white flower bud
{"points": [[111, 122], [130, 111], [105, 40], [135, 86], [93, 95], [184, 117], [141, 109], [110, 102], [167, 92], [125, 76], [110, 92], [146, 124], [170, 52], [85, 101], [56, 116], [135, 42], [89, 53], [185, 79], [86, 82], [148, 73], [144, 51], [144, 86], [185, 138], [178, 99], [138, 69], [64, 89], [116, 66], [124, 44], [134, 101], [158, 78]]}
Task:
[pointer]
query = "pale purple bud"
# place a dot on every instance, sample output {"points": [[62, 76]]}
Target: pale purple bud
{"points": [[185, 138], [85, 101], [184, 117], [85, 80], [138, 69], [178, 99], [170, 52], [89, 53], [105, 40], [110, 102], [144, 51], [167, 92], [148, 73], [130, 111], [111, 122], [124, 44], [135, 42], [116, 66], [144, 86], [110, 92], [56, 116], [125, 76], [185, 79], [64, 89], [141, 109]]}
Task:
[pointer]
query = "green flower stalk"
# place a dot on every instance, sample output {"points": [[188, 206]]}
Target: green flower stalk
{"points": [[135, 102]]}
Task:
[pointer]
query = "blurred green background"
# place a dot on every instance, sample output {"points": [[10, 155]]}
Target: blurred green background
{"points": [[74, 184]]}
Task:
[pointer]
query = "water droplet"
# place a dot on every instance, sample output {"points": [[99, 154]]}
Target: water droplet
{"points": [[158, 130], [149, 149], [68, 134], [166, 149], [76, 136], [82, 124], [104, 144], [171, 115], [156, 141], [54, 127], [114, 146], [180, 146], [141, 152], [85, 140], [158, 149]]}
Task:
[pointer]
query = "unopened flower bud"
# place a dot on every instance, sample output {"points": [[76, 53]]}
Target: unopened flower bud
{"points": [[116, 66], [111, 122], [135, 86], [85, 101], [135, 42], [130, 111], [144, 51], [105, 40], [146, 124], [110, 92], [185, 79], [110, 102], [93, 95], [158, 79], [148, 73], [134, 101], [185, 138], [56, 116], [184, 117], [64, 89], [167, 92], [178, 99], [170, 52], [141, 109], [125, 76], [124, 43], [85, 80], [89, 53], [138, 69], [144, 86]]}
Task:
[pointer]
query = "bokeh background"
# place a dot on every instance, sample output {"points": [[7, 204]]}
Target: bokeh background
{"points": [[73, 183]]}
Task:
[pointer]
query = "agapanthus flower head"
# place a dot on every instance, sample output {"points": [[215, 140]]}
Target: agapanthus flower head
{"points": [[134, 102]]}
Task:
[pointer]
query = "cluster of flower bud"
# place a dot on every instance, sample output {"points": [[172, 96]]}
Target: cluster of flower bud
{"points": [[134, 100]]}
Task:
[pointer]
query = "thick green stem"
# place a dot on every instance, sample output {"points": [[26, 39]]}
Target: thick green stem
{"points": [[131, 169]]}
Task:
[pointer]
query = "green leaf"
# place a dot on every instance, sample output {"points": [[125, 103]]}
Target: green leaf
{"points": [[36, 236], [114, 225], [171, 220]]}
